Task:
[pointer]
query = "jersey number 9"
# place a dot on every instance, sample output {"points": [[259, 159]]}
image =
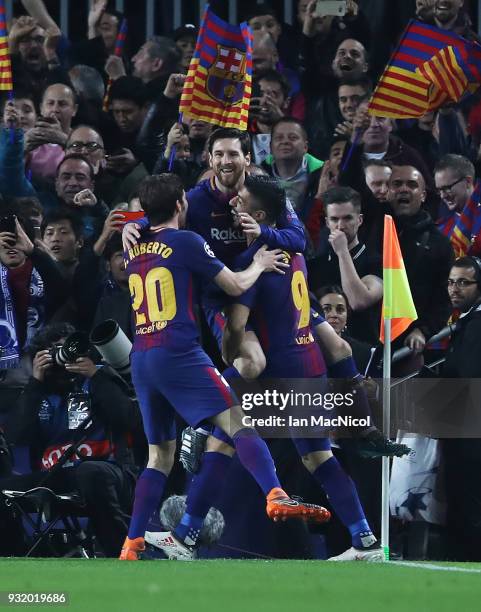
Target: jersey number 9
{"points": [[300, 295]]}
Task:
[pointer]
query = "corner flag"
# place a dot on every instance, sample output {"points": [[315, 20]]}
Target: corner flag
{"points": [[397, 303]]}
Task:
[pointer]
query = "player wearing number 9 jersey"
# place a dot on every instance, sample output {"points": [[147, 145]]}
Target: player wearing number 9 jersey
{"points": [[170, 371]]}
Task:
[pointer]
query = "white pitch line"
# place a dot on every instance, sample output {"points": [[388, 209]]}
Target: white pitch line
{"points": [[439, 568]]}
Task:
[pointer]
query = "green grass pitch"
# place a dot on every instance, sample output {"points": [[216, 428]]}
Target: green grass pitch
{"points": [[232, 586]]}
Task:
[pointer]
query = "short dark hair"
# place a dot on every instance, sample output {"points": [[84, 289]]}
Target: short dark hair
{"points": [[63, 214], [129, 88], [275, 77], [364, 82], [263, 8], [159, 194], [268, 191], [342, 195], [114, 245], [80, 158], [234, 133], [470, 262], [48, 335], [292, 121], [458, 163]]}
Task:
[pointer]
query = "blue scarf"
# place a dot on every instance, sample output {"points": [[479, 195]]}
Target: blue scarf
{"points": [[9, 349]]}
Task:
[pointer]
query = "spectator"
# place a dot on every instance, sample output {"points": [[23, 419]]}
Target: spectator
{"points": [[185, 38], [31, 288], [105, 482], [335, 306], [343, 260], [24, 111], [349, 65], [74, 186], [351, 94], [153, 63], [265, 58], [297, 171], [103, 28], [265, 110], [183, 165], [61, 232], [44, 143], [34, 62], [375, 141], [427, 255], [463, 456], [114, 302], [90, 90], [264, 19]]}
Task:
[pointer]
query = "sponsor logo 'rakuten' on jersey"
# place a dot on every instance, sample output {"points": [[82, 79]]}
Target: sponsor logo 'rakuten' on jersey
{"points": [[227, 235]]}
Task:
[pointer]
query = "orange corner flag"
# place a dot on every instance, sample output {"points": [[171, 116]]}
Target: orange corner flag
{"points": [[397, 303]]}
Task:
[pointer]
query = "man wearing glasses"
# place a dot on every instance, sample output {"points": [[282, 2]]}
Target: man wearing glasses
{"points": [[463, 455], [456, 184], [454, 176], [111, 187]]}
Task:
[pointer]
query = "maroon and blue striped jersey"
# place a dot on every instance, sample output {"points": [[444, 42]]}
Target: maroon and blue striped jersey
{"points": [[165, 269]]}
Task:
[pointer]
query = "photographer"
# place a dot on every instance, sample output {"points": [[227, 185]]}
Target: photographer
{"points": [[70, 400]]}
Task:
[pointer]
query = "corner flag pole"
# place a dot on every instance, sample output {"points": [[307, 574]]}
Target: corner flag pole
{"points": [[386, 426]]}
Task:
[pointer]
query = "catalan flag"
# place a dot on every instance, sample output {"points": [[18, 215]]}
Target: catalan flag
{"points": [[397, 302], [430, 68], [6, 80], [218, 84]]}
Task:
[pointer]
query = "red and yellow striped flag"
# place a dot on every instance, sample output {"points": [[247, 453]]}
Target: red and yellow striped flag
{"points": [[218, 85], [6, 80], [397, 303], [430, 68]]}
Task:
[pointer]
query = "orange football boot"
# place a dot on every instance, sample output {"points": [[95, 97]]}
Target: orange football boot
{"points": [[131, 549], [282, 507]]}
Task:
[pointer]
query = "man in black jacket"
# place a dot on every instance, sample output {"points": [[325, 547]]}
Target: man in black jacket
{"points": [[463, 456], [427, 254], [52, 415]]}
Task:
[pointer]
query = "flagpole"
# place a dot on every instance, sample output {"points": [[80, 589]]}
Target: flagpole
{"points": [[386, 423]]}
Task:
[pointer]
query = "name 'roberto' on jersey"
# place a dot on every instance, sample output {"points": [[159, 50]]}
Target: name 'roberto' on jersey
{"points": [[164, 271]]}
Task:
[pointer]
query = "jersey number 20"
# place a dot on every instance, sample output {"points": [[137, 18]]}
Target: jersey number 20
{"points": [[158, 288]]}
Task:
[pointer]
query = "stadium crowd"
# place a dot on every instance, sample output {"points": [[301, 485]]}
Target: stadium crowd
{"points": [[71, 172]]}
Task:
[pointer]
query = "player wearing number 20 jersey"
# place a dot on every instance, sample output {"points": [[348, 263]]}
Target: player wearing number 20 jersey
{"points": [[164, 270]]}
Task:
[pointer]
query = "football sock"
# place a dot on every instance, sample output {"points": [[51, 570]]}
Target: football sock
{"points": [[256, 458], [148, 493], [344, 499], [203, 491]]}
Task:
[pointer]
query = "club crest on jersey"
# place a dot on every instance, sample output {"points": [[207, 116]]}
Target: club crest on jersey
{"points": [[225, 80]]}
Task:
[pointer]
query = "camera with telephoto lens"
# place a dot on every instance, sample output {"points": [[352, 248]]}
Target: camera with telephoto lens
{"points": [[113, 345], [75, 346]]}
